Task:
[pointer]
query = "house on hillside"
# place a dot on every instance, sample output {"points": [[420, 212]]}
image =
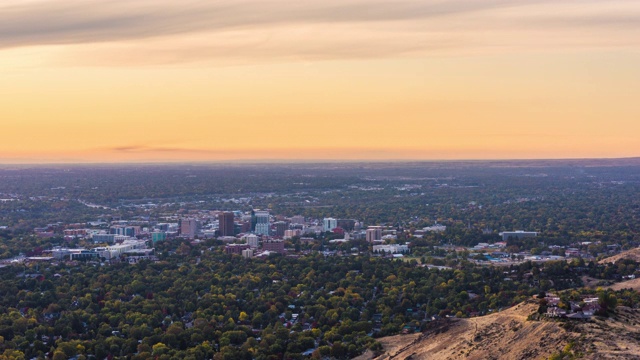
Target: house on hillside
{"points": [[556, 312]]}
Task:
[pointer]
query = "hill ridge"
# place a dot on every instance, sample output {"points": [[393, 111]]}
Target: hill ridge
{"points": [[509, 335]]}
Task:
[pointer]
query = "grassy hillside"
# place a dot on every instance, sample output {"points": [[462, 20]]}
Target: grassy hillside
{"points": [[508, 335]]}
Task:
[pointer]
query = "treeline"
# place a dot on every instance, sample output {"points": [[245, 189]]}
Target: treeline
{"points": [[204, 304]]}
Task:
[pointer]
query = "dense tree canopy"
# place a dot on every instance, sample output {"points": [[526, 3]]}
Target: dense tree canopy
{"points": [[229, 307]]}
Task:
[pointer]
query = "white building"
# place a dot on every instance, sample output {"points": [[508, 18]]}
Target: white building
{"points": [[251, 240], [110, 252], [247, 253], [435, 228], [391, 249], [329, 224]]}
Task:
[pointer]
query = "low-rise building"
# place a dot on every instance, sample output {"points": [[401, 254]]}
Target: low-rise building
{"points": [[273, 246], [288, 234], [251, 240], [158, 236], [103, 238], [82, 254], [247, 253], [391, 249], [435, 228], [518, 234], [235, 248], [112, 252]]}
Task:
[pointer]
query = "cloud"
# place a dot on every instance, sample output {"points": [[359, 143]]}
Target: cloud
{"points": [[145, 153], [80, 21], [151, 149], [169, 31], [128, 148], [141, 152]]}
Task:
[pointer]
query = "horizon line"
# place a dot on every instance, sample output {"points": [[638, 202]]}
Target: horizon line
{"points": [[307, 161]]}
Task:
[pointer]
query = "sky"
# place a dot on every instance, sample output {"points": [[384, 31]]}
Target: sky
{"points": [[269, 80]]}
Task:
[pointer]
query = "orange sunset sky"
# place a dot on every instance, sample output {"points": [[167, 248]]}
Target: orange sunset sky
{"points": [[166, 80]]}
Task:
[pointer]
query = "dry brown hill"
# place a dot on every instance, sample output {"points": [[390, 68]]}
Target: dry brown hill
{"points": [[633, 254], [629, 284], [508, 335]]}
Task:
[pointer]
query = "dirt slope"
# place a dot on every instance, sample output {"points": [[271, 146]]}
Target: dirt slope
{"points": [[629, 284], [633, 254], [614, 338], [508, 335]]}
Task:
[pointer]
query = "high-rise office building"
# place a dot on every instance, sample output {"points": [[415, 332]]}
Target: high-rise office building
{"points": [[226, 224], [188, 228], [280, 228], [254, 220], [263, 226], [329, 224], [374, 233], [245, 226]]}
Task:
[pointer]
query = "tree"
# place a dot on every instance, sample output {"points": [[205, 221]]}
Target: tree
{"points": [[243, 316], [607, 301], [159, 349]]}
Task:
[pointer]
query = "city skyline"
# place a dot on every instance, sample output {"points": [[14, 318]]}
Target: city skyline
{"points": [[160, 81]]}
